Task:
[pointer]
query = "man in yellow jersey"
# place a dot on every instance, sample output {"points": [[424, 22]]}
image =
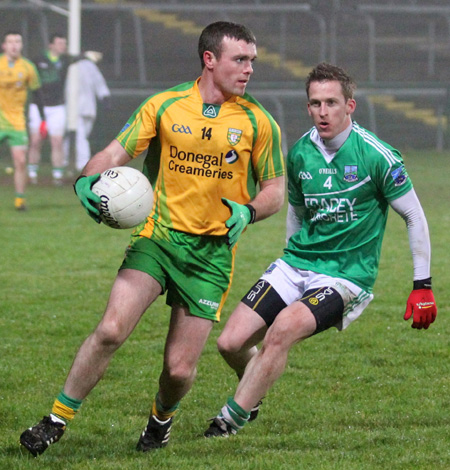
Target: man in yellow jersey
{"points": [[209, 145], [18, 75]]}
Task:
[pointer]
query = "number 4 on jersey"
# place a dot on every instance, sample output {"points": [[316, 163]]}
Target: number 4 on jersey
{"points": [[328, 183]]}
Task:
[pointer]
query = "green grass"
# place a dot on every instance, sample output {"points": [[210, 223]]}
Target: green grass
{"points": [[375, 396]]}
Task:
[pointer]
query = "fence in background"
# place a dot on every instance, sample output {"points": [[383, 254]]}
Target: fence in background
{"points": [[393, 50]]}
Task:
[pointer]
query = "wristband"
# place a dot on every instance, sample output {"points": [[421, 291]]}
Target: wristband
{"points": [[422, 284], [252, 213]]}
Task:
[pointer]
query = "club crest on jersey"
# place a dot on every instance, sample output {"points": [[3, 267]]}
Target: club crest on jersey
{"points": [[399, 175], [351, 173], [234, 136], [231, 156]]}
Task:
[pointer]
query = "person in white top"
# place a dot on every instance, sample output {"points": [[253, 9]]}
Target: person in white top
{"points": [[92, 87]]}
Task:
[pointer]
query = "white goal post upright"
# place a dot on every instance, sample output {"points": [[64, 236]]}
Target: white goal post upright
{"points": [[74, 37]]}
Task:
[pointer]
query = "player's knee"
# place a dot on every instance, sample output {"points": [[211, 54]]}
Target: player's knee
{"points": [[20, 161], [109, 334], [228, 344], [289, 328], [180, 372], [275, 339], [224, 346]]}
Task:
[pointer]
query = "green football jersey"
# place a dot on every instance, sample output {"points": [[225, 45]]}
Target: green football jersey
{"points": [[347, 202]]}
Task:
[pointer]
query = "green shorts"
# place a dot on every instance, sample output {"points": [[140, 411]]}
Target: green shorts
{"points": [[196, 271], [14, 138]]}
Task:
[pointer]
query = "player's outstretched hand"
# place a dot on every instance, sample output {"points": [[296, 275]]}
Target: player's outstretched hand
{"points": [[88, 199], [240, 218], [421, 305]]}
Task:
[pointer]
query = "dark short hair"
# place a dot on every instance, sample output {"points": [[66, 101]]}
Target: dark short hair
{"points": [[212, 36], [327, 72], [11, 33], [57, 35]]}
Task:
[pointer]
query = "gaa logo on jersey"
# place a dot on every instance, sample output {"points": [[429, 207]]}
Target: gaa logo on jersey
{"points": [[399, 175], [232, 156], [234, 136], [351, 173], [181, 129], [304, 175]]}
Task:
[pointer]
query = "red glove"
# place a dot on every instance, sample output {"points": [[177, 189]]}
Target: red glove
{"points": [[421, 305], [43, 129]]}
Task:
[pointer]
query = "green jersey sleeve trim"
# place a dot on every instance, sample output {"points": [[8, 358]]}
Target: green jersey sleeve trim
{"points": [[271, 161]]}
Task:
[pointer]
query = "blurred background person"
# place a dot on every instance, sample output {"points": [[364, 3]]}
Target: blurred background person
{"points": [[92, 87], [18, 75], [52, 66]]}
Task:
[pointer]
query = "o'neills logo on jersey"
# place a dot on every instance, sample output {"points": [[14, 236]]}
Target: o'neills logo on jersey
{"points": [[210, 110], [199, 164]]}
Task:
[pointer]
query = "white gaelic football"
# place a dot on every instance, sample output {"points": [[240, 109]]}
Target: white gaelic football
{"points": [[126, 197]]}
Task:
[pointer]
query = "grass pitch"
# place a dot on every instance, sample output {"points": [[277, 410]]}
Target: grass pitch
{"points": [[375, 396]]}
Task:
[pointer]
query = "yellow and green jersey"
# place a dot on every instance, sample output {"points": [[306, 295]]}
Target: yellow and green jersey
{"points": [[16, 78], [198, 153]]}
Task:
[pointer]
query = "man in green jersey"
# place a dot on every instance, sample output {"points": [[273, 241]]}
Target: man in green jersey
{"points": [[208, 145], [53, 65], [341, 181]]}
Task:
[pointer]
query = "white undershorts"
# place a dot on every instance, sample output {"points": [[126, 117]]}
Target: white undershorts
{"points": [[291, 283], [55, 117]]}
